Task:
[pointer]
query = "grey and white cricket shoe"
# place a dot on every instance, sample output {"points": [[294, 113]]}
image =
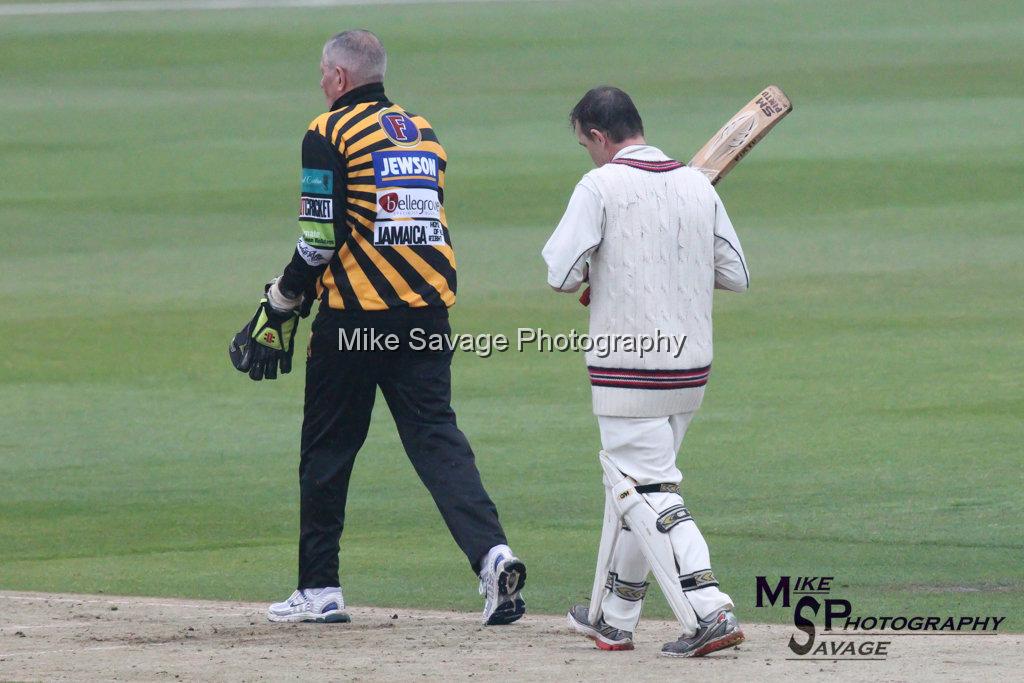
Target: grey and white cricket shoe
{"points": [[323, 605], [719, 631], [502, 577], [604, 635]]}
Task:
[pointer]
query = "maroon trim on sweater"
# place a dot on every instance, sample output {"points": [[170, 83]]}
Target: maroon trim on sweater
{"points": [[635, 378], [652, 166]]}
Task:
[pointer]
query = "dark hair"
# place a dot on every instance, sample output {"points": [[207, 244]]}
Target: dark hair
{"points": [[610, 111]]}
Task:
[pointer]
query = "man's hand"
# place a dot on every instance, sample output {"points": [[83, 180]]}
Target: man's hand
{"points": [[265, 342]]}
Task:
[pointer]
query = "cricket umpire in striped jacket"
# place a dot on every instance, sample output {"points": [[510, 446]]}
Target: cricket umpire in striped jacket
{"points": [[654, 240], [375, 251]]}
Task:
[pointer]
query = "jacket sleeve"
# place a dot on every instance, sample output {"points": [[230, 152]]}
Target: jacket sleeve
{"points": [[577, 236], [730, 265], [321, 214]]}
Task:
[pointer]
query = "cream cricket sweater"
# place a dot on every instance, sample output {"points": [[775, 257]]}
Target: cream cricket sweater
{"points": [[655, 240]]}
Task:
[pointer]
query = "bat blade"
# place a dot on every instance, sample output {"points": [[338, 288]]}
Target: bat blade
{"points": [[739, 135]]}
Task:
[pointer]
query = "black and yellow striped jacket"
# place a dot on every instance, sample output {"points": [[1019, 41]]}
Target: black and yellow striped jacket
{"points": [[374, 231]]}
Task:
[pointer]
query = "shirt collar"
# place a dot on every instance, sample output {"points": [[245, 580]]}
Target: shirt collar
{"points": [[641, 152], [371, 92]]}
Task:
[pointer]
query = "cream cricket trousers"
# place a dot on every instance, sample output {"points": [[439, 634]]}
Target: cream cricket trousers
{"points": [[644, 448]]}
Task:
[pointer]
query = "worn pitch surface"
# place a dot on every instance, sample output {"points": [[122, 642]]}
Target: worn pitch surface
{"points": [[81, 637]]}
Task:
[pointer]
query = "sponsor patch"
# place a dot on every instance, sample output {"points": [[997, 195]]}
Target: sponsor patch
{"points": [[316, 207], [312, 255], [408, 233], [319, 235], [399, 128], [408, 203], [405, 169], [317, 181]]}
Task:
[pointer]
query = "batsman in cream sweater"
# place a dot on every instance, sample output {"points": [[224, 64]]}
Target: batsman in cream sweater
{"points": [[654, 240]]}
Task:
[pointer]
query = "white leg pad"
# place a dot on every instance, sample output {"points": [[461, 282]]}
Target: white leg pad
{"points": [[610, 530], [656, 546], [623, 604]]}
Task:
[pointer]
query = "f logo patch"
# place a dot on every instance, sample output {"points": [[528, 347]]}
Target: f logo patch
{"points": [[399, 128], [398, 123]]}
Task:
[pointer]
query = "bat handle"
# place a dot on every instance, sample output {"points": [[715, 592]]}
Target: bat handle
{"points": [[585, 297]]}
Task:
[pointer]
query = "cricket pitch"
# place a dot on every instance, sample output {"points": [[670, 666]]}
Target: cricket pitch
{"points": [[88, 637]]}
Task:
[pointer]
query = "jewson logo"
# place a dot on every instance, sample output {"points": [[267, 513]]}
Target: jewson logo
{"points": [[405, 169], [317, 181], [413, 203]]}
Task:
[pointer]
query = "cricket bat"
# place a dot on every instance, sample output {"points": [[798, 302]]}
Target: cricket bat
{"points": [[744, 130], [738, 136]]}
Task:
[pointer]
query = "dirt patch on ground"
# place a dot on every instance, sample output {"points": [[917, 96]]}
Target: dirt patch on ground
{"points": [[85, 637]]}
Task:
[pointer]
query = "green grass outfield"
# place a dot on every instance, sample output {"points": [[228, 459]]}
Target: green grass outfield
{"points": [[864, 419]]}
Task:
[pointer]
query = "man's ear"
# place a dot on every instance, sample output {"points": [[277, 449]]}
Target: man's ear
{"points": [[597, 136]]}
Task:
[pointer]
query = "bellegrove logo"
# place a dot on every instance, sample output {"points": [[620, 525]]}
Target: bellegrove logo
{"points": [[850, 637]]}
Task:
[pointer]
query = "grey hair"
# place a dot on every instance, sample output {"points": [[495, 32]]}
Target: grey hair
{"points": [[360, 53]]}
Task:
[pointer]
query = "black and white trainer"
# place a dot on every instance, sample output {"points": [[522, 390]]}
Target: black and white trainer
{"points": [[502, 577]]}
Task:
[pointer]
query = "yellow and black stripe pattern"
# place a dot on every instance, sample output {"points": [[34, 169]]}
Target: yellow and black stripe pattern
{"points": [[393, 246]]}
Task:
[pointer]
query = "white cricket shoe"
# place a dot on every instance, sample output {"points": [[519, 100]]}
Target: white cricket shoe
{"points": [[502, 576], [324, 605]]}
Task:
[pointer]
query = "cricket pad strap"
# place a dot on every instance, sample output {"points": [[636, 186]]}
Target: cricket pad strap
{"points": [[627, 590], [697, 580], [677, 514], [658, 488]]}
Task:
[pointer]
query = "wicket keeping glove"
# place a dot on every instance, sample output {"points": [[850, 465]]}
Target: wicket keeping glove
{"points": [[265, 343]]}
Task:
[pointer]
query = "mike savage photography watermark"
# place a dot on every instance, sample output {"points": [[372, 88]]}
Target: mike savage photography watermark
{"points": [[486, 344]]}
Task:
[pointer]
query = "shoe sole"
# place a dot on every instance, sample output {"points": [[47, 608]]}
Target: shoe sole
{"points": [[512, 578], [310, 618], [507, 613], [595, 635], [723, 643]]}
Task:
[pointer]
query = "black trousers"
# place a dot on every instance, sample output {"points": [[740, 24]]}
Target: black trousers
{"points": [[341, 385]]}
